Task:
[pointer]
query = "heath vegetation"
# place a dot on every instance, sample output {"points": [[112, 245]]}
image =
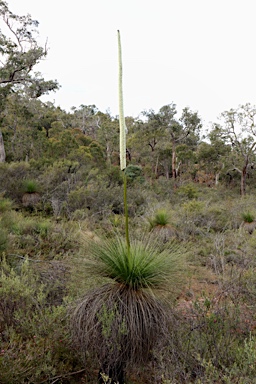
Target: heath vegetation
{"points": [[123, 259]]}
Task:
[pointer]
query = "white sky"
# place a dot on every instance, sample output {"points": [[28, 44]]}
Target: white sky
{"points": [[195, 53]]}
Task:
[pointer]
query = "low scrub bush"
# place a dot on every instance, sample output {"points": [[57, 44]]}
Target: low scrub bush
{"points": [[189, 191], [248, 217], [3, 240], [34, 341], [5, 205]]}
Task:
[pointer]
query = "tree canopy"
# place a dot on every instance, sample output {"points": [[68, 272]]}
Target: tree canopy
{"points": [[19, 54]]}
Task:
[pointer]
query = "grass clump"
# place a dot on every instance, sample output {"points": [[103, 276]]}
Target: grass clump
{"points": [[248, 217], [161, 218], [30, 186], [146, 265]]}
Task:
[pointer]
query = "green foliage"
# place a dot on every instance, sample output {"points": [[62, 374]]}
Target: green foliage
{"points": [[5, 205], [121, 323], [124, 314], [133, 172], [248, 217], [114, 176], [190, 191], [34, 341], [11, 178], [20, 54], [238, 132], [147, 266], [3, 239], [36, 237], [209, 340], [30, 186], [193, 208], [161, 218]]}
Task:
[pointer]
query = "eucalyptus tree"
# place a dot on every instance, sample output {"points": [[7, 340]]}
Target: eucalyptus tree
{"points": [[178, 130], [164, 132], [213, 157], [146, 139], [19, 54], [99, 126], [86, 119], [15, 124], [26, 123], [107, 136], [239, 129]]}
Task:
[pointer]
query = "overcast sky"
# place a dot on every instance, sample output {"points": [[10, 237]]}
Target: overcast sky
{"points": [[195, 53]]}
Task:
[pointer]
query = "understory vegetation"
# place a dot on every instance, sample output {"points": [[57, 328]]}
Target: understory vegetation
{"points": [[47, 264], [141, 275]]}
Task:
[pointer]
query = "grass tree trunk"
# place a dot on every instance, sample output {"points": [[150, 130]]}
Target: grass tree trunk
{"points": [[113, 375], [2, 150]]}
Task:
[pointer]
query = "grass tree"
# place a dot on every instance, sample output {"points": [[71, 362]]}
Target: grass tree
{"points": [[123, 320]]}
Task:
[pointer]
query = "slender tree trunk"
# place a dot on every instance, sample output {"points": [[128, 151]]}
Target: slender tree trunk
{"points": [[2, 151], [108, 154], [217, 177], [243, 177], [156, 166], [243, 181], [167, 175], [178, 167], [174, 171]]}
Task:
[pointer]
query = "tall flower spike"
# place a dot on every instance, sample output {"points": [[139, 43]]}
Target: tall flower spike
{"points": [[122, 141], [122, 127]]}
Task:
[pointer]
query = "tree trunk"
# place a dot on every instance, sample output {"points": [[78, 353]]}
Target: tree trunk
{"points": [[174, 171], [2, 151], [243, 176], [156, 167], [217, 177], [243, 181], [108, 151]]}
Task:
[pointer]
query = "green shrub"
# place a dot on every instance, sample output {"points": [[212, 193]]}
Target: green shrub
{"points": [[248, 217], [34, 341], [11, 178], [134, 172], [43, 228], [190, 191], [5, 205], [77, 199], [30, 186], [11, 221], [3, 240]]}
